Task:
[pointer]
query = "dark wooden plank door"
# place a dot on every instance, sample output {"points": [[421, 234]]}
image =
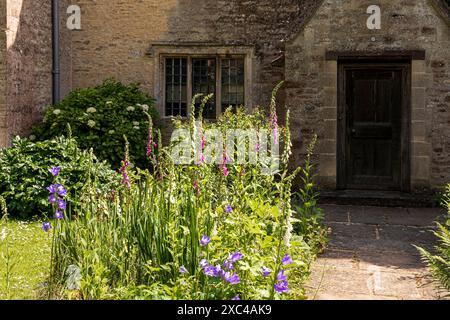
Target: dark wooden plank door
{"points": [[373, 99]]}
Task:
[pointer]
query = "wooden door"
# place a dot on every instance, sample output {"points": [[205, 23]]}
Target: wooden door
{"points": [[374, 106]]}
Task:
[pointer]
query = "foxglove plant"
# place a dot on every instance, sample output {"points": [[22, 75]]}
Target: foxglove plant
{"points": [[125, 164], [151, 144]]}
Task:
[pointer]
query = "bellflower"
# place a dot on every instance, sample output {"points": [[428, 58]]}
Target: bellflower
{"points": [[46, 226], [266, 272], [210, 271], [205, 240], [53, 188], [236, 256], [59, 214], [55, 171], [229, 209], [228, 265], [281, 276], [203, 263], [282, 287], [62, 192], [237, 298], [286, 260], [62, 204], [218, 272], [234, 279], [52, 198], [183, 270]]}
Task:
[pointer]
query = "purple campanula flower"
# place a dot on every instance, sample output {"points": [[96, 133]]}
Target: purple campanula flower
{"points": [[59, 214], [228, 265], [62, 204], [234, 279], [203, 263], [222, 274], [55, 171], [53, 188], [210, 271], [286, 260], [46, 226], [229, 209], [282, 287], [218, 271], [205, 240], [52, 198], [183, 270], [281, 276], [236, 256], [237, 298], [62, 192], [266, 272]]}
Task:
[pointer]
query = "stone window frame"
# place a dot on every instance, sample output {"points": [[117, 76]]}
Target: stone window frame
{"points": [[160, 52]]}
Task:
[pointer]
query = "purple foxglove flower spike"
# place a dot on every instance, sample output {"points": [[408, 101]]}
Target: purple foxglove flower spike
{"points": [[225, 171]]}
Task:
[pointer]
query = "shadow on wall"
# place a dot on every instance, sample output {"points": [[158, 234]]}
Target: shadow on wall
{"points": [[29, 63]]}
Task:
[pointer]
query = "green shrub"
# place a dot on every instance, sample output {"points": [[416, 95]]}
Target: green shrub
{"points": [[146, 243], [24, 173], [439, 262], [100, 117]]}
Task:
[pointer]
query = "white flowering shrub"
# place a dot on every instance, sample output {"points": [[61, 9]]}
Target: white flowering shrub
{"points": [[100, 117]]}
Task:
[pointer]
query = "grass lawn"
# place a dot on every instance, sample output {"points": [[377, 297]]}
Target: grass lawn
{"points": [[29, 249]]}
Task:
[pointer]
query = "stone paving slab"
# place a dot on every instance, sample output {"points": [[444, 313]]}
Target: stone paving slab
{"points": [[371, 256]]}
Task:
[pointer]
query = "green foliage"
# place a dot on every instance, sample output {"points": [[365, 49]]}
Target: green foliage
{"points": [[100, 117], [310, 216], [24, 173], [132, 246], [439, 262]]}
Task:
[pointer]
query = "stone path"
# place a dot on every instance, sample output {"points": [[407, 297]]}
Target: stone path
{"points": [[370, 254]]}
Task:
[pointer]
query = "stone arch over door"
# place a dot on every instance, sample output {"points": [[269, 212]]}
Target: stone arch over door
{"points": [[415, 30]]}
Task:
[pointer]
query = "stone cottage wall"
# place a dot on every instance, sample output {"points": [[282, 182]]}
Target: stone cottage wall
{"points": [[28, 64], [312, 81], [117, 36], [3, 124]]}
